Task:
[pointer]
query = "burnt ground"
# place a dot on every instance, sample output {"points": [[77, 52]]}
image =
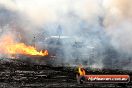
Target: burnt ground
{"points": [[24, 75]]}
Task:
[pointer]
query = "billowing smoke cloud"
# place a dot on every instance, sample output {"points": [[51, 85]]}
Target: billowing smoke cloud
{"points": [[118, 26], [118, 23], [103, 27]]}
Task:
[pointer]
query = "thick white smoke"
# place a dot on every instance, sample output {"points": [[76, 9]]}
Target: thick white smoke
{"points": [[118, 24], [102, 24]]}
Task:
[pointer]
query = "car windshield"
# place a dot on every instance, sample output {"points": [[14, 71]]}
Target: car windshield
{"points": [[60, 41]]}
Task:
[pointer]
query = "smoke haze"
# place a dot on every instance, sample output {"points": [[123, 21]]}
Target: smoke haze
{"points": [[104, 26]]}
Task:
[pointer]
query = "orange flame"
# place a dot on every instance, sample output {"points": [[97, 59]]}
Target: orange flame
{"points": [[21, 48], [81, 71], [8, 46]]}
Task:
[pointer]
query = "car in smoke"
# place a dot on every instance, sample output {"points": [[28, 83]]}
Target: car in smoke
{"points": [[66, 49]]}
